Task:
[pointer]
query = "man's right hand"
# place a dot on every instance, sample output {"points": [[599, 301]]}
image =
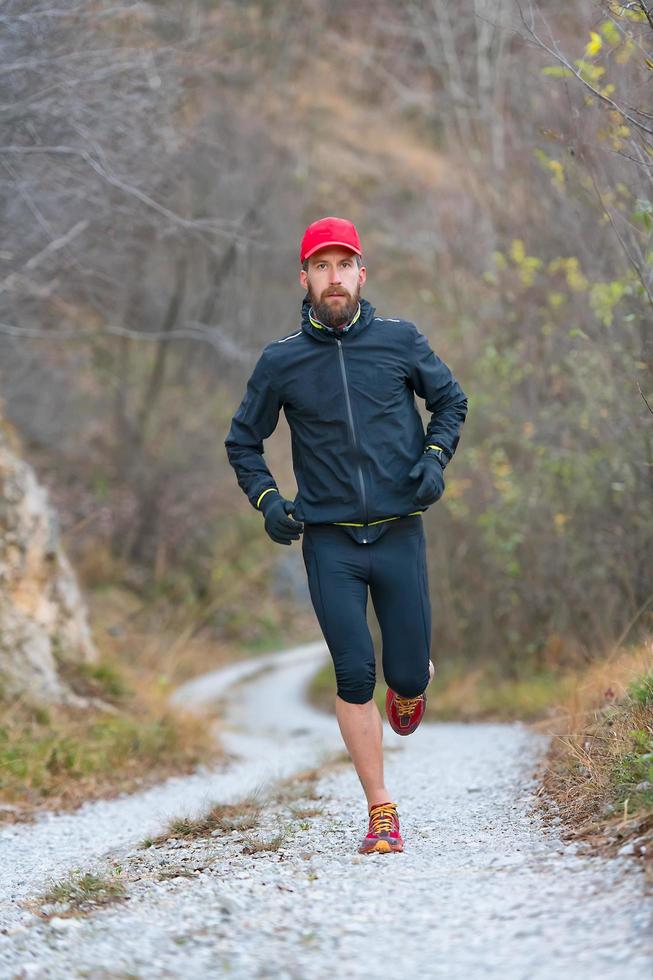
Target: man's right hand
{"points": [[279, 526]]}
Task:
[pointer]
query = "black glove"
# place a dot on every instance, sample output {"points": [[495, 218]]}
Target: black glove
{"points": [[280, 527], [430, 471]]}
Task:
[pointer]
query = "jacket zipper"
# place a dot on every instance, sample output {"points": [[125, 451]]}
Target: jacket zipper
{"points": [[351, 426]]}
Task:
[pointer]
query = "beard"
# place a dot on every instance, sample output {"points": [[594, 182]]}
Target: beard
{"points": [[333, 314]]}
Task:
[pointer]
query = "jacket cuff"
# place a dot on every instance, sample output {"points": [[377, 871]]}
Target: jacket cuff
{"points": [[442, 456], [269, 489]]}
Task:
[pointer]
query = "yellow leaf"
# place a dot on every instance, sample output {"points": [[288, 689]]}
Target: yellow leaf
{"points": [[610, 32], [517, 251], [558, 173], [594, 45]]}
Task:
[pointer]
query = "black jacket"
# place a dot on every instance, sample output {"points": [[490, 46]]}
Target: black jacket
{"points": [[355, 428]]}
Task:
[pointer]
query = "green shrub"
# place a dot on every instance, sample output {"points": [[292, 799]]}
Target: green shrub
{"points": [[641, 690]]}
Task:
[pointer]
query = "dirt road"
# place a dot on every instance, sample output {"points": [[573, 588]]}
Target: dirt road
{"points": [[482, 890]]}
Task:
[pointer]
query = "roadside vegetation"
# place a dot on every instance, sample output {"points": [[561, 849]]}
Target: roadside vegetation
{"points": [[58, 757], [599, 769]]}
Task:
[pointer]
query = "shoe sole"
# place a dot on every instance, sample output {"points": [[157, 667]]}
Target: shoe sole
{"points": [[382, 847]]}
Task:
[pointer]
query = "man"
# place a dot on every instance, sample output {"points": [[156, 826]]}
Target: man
{"points": [[365, 471]]}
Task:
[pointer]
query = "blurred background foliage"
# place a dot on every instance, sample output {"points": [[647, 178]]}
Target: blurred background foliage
{"points": [[160, 163]]}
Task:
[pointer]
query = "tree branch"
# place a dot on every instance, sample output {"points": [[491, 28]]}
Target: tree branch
{"points": [[210, 334], [80, 10], [560, 58], [620, 239], [639, 388], [212, 225]]}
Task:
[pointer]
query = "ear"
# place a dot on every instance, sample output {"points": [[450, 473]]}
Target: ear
{"points": [[303, 278], [362, 275]]}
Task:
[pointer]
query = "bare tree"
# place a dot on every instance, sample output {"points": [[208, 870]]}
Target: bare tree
{"points": [[134, 196]]}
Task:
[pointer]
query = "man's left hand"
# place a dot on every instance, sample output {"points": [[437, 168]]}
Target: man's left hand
{"points": [[429, 470]]}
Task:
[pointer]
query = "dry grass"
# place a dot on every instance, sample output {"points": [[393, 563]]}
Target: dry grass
{"points": [[479, 695], [295, 793], [300, 786], [168, 874], [225, 817], [299, 812], [58, 758], [80, 893], [599, 768], [255, 845]]}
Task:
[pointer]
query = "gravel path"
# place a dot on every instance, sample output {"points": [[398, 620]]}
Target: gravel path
{"points": [[482, 890]]}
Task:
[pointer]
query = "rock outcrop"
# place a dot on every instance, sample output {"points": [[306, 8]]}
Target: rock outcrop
{"points": [[43, 618]]}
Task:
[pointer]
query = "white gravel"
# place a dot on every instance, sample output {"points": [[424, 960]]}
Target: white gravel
{"points": [[482, 890]]}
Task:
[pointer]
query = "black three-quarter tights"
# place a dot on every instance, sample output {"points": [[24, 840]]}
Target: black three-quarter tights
{"points": [[394, 568]]}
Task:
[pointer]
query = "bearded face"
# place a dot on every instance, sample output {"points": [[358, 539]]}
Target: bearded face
{"points": [[334, 306], [333, 280]]}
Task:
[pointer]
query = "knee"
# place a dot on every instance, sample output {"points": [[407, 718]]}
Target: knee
{"points": [[355, 684], [407, 682]]}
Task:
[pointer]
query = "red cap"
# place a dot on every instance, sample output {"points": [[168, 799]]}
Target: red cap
{"points": [[329, 231]]}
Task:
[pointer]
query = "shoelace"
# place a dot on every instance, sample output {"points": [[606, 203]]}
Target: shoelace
{"points": [[406, 706], [383, 818]]}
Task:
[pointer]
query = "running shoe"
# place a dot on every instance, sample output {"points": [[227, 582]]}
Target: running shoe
{"points": [[383, 836], [405, 714]]}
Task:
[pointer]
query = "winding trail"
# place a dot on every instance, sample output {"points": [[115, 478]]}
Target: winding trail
{"points": [[484, 889]]}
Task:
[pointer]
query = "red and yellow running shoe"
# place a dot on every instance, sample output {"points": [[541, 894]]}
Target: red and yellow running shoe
{"points": [[405, 714], [383, 836]]}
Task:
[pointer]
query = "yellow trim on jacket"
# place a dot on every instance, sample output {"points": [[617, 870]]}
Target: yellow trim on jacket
{"points": [[321, 326], [263, 494], [382, 521]]}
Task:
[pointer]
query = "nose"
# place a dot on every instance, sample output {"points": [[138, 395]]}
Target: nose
{"points": [[334, 278]]}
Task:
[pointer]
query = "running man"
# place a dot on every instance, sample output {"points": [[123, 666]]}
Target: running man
{"points": [[366, 471]]}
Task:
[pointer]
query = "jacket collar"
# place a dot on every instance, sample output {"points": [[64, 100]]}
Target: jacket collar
{"points": [[358, 323]]}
